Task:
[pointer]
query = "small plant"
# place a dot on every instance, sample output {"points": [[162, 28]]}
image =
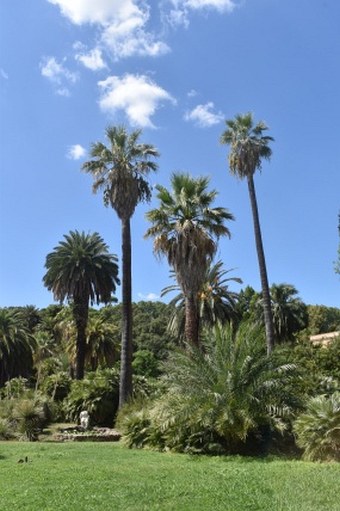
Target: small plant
{"points": [[29, 417], [318, 429]]}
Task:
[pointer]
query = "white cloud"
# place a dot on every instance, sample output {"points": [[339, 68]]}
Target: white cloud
{"points": [[58, 75], [122, 25], [220, 5], [99, 11], [137, 95], [203, 115], [180, 13], [3, 74], [92, 60], [129, 38], [150, 297], [75, 152], [192, 93]]}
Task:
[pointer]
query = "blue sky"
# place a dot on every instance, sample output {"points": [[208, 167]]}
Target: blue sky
{"points": [[177, 69]]}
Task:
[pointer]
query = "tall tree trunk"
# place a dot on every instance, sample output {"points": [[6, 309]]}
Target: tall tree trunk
{"points": [[191, 320], [80, 314], [267, 310], [125, 384]]}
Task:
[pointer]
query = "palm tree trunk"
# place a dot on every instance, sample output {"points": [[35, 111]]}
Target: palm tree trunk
{"points": [[80, 314], [125, 384], [267, 310], [191, 320]]}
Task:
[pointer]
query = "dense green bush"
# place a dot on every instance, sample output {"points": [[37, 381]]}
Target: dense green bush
{"points": [[97, 393], [223, 398], [318, 428]]}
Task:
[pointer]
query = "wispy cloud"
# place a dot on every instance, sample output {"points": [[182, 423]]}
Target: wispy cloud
{"points": [[92, 59], [204, 115], [3, 74], [150, 297], [122, 25], [136, 95], [75, 152], [58, 75], [180, 12]]}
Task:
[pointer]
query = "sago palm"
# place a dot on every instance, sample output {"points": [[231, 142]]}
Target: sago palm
{"points": [[249, 146], [81, 270], [119, 170], [186, 229]]}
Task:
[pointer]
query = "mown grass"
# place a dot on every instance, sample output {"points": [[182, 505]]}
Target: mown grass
{"points": [[109, 477]]}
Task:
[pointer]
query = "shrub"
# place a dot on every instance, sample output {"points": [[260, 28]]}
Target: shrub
{"points": [[217, 398], [97, 393], [5, 429], [29, 417], [318, 428]]}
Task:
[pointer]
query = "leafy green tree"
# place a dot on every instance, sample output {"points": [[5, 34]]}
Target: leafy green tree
{"points": [[186, 229], [323, 319], [81, 269], [149, 329], [16, 346], [120, 171], [248, 147], [216, 302]]}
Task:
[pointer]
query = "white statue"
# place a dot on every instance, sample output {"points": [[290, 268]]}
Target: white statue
{"points": [[84, 419]]}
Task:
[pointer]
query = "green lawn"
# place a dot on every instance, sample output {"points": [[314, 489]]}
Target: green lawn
{"points": [[107, 476]]}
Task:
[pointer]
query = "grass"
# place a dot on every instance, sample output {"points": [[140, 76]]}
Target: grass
{"points": [[108, 476]]}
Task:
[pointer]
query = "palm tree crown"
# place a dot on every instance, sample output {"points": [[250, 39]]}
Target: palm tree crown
{"points": [[119, 170], [185, 229], [247, 143], [81, 268]]}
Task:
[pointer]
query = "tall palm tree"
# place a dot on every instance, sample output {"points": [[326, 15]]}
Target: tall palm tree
{"points": [[248, 147], [82, 270], [186, 229], [216, 302], [120, 171]]}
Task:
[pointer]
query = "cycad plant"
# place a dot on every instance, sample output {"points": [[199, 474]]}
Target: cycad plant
{"points": [[318, 428]]}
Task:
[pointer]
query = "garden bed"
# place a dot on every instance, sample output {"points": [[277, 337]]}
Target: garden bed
{"points": [[78, 434]]}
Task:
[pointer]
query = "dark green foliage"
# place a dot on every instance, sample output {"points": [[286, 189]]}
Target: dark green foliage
{"points": [[288, 310], [98, 394], [322, 319], [16, 345], [149, 327], [316, 365]]}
